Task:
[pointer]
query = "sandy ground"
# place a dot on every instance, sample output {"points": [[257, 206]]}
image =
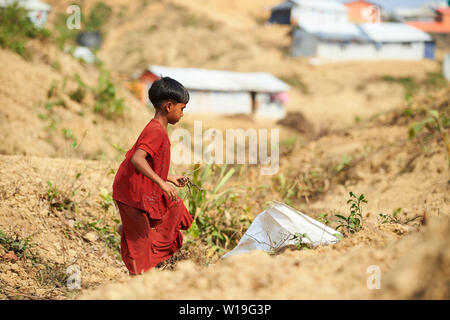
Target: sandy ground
{"points": [[375, 157], [411, 267], [331, 272]]}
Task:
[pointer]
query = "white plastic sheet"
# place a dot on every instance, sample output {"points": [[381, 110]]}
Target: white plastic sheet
{"points": [[275, 227]]}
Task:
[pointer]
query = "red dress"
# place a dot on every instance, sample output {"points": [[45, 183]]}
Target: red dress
{"points": [[151, 221]]}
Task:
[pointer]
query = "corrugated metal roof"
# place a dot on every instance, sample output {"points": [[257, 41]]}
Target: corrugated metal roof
{"points": [[393, 32], [217, 80], [338, 31], [332, 5], [375, 32], [27, 4]]}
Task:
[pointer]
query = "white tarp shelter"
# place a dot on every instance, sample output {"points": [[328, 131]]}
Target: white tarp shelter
{"points": [[229, 92], [275, 227]]}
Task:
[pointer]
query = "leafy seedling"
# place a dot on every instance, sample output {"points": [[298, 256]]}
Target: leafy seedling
{"points": [[352, 223]]}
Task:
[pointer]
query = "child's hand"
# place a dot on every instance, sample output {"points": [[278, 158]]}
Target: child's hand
{"points": [[170, 190], [179, 181]]}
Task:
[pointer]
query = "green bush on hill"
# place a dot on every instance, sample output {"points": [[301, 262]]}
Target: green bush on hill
{"points": [[16, 28]]}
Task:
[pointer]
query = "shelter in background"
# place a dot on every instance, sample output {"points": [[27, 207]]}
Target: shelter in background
{"points": [[439, 28], [421, 13], [362, 42], [441, 23], [37, 10], [223, 92], [294, 11], [329, 12], [323, 30], [363, 12], [281, 14]]}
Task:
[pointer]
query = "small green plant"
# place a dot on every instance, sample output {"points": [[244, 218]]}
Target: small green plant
{"points": [[287, 146], [395, 218], [345, 162], [435, 79], [385, 218], [107, 199], [435, 122], [106, 231], [107, 102], [98, 16], [409, 84], [64, 34], [57, 199], [353, 222], [63, 198], [323, 217], [299, 239], [80, 92], [208, 202], [52, 90], [286, 190], [119, 149], [69, 135], [18, 246], [297, 81]]}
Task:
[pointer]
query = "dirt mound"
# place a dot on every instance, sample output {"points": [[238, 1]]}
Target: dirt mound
{"points": [[423, 273], [43, 118], [51, 239], [331, 272], [297, 121]]}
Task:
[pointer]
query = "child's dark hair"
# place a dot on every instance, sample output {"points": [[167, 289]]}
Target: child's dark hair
{"points": [[167, 89]]}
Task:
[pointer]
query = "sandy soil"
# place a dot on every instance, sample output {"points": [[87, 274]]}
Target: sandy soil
{"points": [[334, 272], [338, 271], [374, 157]]}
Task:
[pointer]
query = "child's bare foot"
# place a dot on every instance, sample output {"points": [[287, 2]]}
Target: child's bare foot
{"points": [[119, 229]]}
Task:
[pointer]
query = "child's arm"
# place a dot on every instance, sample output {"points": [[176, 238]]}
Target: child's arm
{"points": [[141, 164]]}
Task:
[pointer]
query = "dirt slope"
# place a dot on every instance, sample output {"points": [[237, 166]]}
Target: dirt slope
{"points": [[334, 272], [55, 200], [61, 238], [57, 238], [393, 172], [39, 108]]}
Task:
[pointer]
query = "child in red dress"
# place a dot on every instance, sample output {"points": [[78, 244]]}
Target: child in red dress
{"points": [[151, 212]]}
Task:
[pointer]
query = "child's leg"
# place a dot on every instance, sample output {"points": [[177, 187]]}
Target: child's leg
{"points": [[135, 241], [168, 239], [119, 229]]}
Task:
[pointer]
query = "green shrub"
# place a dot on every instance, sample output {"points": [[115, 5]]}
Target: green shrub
{"points": [[409, 84], [18, 246], [64, 34], [435, 123], [16, 28], [97, 17], [80, 92], [107, 102], [218, 222]]}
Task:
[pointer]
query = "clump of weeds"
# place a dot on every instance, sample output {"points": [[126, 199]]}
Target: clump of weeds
{"points": [[395, 217], [353, 222]]}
